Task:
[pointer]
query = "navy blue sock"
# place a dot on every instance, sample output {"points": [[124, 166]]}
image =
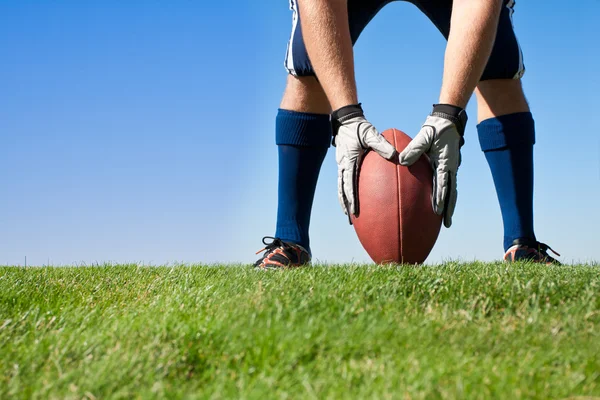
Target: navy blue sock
{"points": [[507, 142], [303, 140]]}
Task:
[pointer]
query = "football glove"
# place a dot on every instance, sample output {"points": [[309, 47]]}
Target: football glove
{"points": [[441, 138], [353, 135]]}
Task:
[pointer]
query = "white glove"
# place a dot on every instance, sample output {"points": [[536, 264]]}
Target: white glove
{"points": [[441, 138], [352, 136]]}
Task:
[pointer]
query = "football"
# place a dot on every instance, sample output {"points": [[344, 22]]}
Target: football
{"points": [[395, 222]]}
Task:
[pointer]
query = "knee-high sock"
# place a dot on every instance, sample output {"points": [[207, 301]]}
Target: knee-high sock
{"points": [[507, 142], [302, 140]]}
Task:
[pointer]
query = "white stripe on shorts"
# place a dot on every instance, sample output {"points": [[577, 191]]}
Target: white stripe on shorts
{"points": [[521, 71], [289, 55]]}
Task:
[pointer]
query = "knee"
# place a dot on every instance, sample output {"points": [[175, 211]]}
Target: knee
{"points": [[305, 94], [497, 97]]}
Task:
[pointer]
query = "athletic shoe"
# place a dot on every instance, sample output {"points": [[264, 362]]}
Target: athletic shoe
{"points": [[280, 254], [530, 250]]}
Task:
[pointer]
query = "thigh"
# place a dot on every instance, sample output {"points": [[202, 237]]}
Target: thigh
{"points": [[506, 59], [360, 13]]}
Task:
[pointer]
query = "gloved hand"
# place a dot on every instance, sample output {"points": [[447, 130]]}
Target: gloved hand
{"points": [[352, 136], [441, 138]]}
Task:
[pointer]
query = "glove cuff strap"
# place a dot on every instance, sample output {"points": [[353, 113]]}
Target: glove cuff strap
{"points": [[347, 112], [457, 115], [341, 115]]}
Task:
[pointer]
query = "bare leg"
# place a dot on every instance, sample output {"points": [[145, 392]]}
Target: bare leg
{"points": [[497, 97], [305, 94]]}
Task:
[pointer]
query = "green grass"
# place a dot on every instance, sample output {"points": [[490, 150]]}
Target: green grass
{"points": [[451, 331]]}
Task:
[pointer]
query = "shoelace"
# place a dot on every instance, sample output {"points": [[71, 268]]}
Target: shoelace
{"points": [[269, 247], [535, 245], [544, 248]]}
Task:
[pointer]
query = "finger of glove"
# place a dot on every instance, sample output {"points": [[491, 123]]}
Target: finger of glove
{"points": [[381, 146], [441, 191], [341, 197], [434, 192], [451, 200], [349, 192], [419, 145]]}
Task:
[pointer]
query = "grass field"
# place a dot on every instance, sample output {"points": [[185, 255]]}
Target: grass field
{"points": [[451, 331]]}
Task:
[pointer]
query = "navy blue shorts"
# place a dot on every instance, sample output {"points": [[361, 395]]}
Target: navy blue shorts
{"points": [[506, 60]]}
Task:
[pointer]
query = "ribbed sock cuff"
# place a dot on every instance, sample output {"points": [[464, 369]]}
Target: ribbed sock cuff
{"points": [[506, 131], [302, 129]]}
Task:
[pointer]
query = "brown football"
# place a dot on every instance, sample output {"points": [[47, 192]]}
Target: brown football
{"points": [[395, 221]]}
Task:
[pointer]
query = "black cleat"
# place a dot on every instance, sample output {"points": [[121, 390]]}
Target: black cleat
{"points": [[280, 254], [530, 250]]}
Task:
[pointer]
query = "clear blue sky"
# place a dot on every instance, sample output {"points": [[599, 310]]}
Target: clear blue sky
{"points": [[143, 131]]}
